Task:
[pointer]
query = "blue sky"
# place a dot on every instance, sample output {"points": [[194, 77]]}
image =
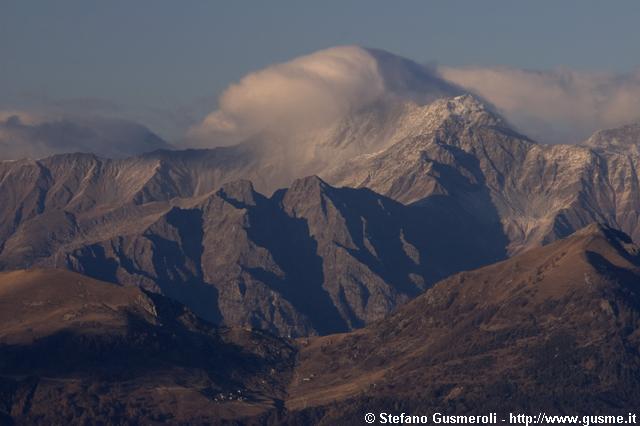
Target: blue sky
{"points": [[158, 59]]}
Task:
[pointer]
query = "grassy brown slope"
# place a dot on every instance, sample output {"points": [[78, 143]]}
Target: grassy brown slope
{"points": [[555, 328], [41, 302], [76, 350]]}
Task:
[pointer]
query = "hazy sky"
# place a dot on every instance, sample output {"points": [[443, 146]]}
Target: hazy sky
{"points": [[165, 62]]}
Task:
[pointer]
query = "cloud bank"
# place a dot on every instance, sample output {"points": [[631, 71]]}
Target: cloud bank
{"points": [[559, 106], [25, 135]]}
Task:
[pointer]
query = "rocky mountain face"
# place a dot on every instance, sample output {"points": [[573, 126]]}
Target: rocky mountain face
{"points": [[310, 259], [622, 140], [554, 328], [75, 350], [530, 194], [440, 188], [78, 196]]}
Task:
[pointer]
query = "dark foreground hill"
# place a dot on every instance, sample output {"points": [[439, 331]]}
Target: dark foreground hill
{"points": [[555, 329], [78, 351]]}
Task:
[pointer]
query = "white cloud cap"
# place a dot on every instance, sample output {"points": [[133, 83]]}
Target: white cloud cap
{"points": [[308, 92]]}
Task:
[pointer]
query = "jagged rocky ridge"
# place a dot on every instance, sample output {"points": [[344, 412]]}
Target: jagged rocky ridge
{"points": [[310, 259], [534, 193], [468, 191]]}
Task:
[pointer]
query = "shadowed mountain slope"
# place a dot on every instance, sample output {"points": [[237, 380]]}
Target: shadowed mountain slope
{"points": [[556, 328], [73, 350], [310, 259]]}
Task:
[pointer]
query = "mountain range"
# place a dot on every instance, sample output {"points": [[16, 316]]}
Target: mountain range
{"points": [[414, 253], [554, 329], [457, 189]]}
